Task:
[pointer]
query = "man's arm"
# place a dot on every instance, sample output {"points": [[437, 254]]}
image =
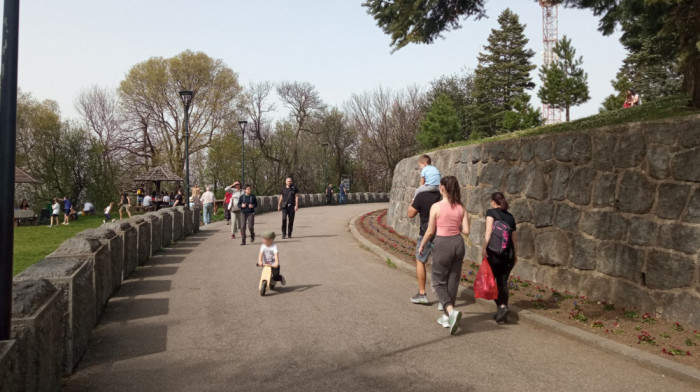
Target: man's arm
{"points": [[412, 212], [296, 200]]}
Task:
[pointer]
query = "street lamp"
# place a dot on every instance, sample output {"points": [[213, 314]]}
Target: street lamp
{"points": [[242, 124], [325, 160], [186, 97]]}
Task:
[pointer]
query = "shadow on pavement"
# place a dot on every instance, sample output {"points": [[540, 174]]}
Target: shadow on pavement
{"points": [[153, 271], [121, 310], [133, 288], [120, 343], [288, 289]]}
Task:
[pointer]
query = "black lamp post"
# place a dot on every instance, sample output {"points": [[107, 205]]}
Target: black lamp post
{"points": [[243, 124], [325, 162], [8, 142], [187, 100]]}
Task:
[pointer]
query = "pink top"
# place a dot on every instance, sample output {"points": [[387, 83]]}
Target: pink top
{"points": [[449, 221]]}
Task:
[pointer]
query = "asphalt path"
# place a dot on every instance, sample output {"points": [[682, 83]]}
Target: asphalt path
{"points": [[193, 320]]}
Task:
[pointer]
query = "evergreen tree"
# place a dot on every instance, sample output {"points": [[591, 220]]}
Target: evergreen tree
{"points": [[564, 83], [502, 76], [441, 124], [459, 88], [522, 116]]}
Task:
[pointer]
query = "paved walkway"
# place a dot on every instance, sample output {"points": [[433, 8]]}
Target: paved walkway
{"points": [[192, 320]]}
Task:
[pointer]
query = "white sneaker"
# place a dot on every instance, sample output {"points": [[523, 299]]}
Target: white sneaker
{"points": [[444, 321], [454, 319], [440, 308]]}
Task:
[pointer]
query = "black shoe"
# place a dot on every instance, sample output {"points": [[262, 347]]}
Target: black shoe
{"points": [[242, 242], [502, 315], [289, 236], [252, 238], [284, 236]]}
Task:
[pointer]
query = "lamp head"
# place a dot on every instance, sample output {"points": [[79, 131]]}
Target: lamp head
{"points": [[242, 124], [186, 97]]}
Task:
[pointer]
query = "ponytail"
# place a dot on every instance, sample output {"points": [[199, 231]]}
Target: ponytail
{"points": [[499, 199], [454, 195]]}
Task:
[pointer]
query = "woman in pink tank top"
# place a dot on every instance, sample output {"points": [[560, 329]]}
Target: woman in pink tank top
{"points": [[448, 221]]}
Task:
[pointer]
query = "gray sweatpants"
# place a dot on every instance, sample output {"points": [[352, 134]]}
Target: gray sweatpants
{"points": [[448, 255]]}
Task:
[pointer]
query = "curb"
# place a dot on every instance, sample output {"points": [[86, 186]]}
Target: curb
{"points": [[652, 362]]}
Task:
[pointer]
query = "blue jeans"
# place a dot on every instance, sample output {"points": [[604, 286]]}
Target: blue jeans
{"points": [[208, 208], [341, 198]]}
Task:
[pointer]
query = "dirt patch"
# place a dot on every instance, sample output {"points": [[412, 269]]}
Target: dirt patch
{"points": [[660, 337]]}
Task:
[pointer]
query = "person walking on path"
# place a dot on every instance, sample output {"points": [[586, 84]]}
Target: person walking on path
{"points": [[289, 205], [421, 206], [448, 220], [208, 200], [247, 204], [235, 191], [500, 250], [227, 201], [66, 210], [124, 204], [329, 194], [341, 193], [269, 255]]}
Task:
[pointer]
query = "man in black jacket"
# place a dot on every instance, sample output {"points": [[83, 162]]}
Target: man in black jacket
{"points": [[247, 204], [289, 205]]}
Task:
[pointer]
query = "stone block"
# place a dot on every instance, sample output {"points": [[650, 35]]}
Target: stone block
{"points": [[527, 149], [142, 225], [156, 232], [553, 248], [662, 134], [567, 218], [581, 149], [520, 210], [497, 151], [667, 270], [513, 150], [604, 225], [307, 199], [604, 151], [543, 213], [621, 261], [630, 150], [167, 226], [560, 182], [535, 183], [514, 180], [580, 187], [642, 232], [584, 253], [485, 152], [543, 148], [37, 312], [471, 154], [129, 251], [354, 198], [196, 219], [562, 147], [631, 296], [362, 198], [10, 378], [685, 166], [73, 277], [636, 193], [689, 132], [187, 228], [99, 257], [594, 287], [492, 173], [177, 214], [658, 158], [671, 200], [693, 211], [681, 237], [526, 242], [604, 190], [682, 307]]}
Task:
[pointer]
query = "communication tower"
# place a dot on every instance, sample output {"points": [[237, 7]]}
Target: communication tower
{"points": [[550, 36]]}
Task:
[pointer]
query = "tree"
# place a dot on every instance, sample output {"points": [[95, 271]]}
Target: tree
{"points": [[502, 76], [341, 139], [150, 93], [441, 124], [459, 88], [522, 116], [564, 82]]}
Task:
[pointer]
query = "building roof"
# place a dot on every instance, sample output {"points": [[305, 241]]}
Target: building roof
{"points": [[22, 177], [158, 173]]}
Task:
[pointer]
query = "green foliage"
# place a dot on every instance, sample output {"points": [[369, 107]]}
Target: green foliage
{"points": [[501, 79], [459, 88], [440, 125], [523, 115], [564, 83]]}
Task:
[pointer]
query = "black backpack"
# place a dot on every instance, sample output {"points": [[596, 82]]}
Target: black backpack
{"points": [[501, 238]]}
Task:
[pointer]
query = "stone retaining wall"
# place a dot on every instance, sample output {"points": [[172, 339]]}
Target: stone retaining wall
{"points": [[57, 301], [611, 213]]}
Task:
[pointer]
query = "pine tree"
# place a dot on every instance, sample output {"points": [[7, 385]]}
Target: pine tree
{"points": [[564, 83], [441, 124], [502, 76]]}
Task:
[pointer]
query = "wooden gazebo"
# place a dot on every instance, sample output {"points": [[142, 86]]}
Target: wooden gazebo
{"points": [[158, 174], [23, 178]]}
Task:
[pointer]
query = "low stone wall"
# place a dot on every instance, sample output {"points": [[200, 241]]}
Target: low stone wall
{"points": [[611, 213], [57, 301]]}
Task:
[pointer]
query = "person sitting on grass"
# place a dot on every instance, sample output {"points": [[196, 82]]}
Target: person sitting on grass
{"points": [[269, 255]]}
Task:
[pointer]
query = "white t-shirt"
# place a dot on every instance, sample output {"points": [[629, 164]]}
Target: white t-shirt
{"points": [[233, 204], [56, 209], [269, 253], [208, 197], [108, 209], [166, 199], [88, 207], [147, 201]]}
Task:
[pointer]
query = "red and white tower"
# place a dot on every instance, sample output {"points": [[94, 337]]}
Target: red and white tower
{"points": [[550, 36]]}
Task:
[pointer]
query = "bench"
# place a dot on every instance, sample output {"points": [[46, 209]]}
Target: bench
{"points": [[25, 215]]}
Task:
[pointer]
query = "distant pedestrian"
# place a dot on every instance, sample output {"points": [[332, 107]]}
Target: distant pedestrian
{"points": [[235, 191], [208, 200], [247, 203], [66, 210], [636, 99], [227, 201], [165, 197], [500, 249], [24, 205], [179, 199], [448, 220], [88, 208], [341, 193], [140, 194], [289, 205], [108, 210], [147, 201], [55, 210], [329, 194], [124, 204], [195, 196], [421, 205]]}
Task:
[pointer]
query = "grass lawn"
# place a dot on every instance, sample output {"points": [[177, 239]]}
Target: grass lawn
{"points": [[676, 106]]}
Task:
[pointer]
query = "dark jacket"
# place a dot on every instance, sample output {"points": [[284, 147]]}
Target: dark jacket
{"points": [[248, 200]]}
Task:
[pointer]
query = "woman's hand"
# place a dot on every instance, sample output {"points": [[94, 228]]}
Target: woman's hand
{"points": [[420, 250], [483, 253]]}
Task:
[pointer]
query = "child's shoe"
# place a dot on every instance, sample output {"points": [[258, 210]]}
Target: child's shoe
{"points": [[283, 280]]}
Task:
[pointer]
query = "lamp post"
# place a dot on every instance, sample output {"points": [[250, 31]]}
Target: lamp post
{"points": [[8, 142], [325, 162], [186, 97], [243, 124]]}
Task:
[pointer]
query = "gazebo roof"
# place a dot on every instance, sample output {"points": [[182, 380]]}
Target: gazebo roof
{"points": [[22, 177], [158, 173]]}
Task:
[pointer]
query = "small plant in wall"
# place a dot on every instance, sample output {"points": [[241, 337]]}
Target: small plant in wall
{"points": [[675, 351], [645, 337]]}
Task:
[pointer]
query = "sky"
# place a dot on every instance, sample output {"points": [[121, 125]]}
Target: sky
{"points": [[68, 46]]}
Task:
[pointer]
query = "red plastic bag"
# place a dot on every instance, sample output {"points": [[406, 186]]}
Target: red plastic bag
{"points": [[485, 283]]}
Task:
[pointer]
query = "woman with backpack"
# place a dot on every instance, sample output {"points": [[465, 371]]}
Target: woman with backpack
{"points": [[500, 250]]}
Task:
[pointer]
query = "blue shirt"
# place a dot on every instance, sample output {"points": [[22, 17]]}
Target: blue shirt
{"points": [[342, 189], [431, 175], [66, 205]]}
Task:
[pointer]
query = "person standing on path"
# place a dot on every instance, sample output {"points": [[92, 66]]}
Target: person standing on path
{"points": [[235, 191], [247, 204], [448, 221], [422, 205], [289, 205], [341, 193], [124, 204], [208, 200], [329, 194], [66, 210], [500, 250]]}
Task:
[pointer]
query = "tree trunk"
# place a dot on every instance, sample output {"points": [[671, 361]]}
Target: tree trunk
{"points": [[567, 113], [695, 83]]}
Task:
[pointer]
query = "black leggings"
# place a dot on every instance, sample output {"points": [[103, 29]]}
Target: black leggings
{"points": [[501, 265], [288, 216]]}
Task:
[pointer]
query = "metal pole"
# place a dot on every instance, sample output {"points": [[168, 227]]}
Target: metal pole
{"points": [[243, 157], [187, 155], [8, 142]]}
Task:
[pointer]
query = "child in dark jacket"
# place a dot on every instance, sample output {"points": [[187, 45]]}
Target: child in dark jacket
{"points": [[247, 204]]}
